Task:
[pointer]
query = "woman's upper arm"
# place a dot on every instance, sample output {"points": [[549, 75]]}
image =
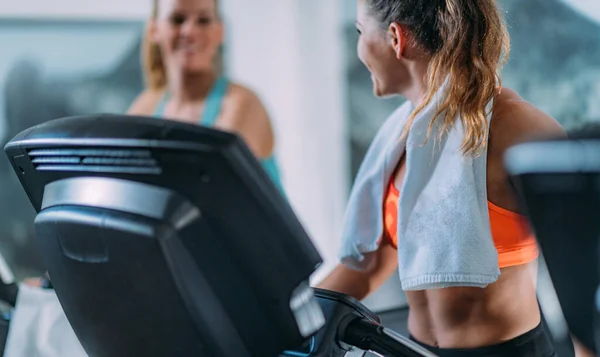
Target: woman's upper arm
{"points": [[245, 114]]}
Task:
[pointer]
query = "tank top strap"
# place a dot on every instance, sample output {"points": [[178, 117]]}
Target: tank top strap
{"points": [[214, 101], [212, 105], [271, 167], [159, 111]]}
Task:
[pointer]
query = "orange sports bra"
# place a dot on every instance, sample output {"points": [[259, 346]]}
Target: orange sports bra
{"points": [[514, 241]]}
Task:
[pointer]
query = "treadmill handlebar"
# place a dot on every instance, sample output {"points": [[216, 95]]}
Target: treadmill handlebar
{"points": [[8, 293], [369, 336]]}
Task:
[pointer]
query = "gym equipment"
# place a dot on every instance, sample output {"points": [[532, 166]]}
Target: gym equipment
{"points": [[4, 321], [354, 330], [169, 239], [8, 296], [558, 182], [8, 287]]}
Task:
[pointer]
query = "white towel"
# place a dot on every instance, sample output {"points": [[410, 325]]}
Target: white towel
{"points": [[444, 236]]}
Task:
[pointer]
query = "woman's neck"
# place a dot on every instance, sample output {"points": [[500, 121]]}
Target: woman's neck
{"points": [[416, 87], [190, 87]]}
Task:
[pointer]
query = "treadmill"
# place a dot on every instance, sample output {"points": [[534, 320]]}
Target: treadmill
{"points": [[169, 239], [558, 182], [8, 298]]}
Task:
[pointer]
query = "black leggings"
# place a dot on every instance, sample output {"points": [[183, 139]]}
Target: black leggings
{"points": [[535, 343]]}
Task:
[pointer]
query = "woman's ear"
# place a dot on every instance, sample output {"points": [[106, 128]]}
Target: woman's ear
{"points": [[398, 39]]}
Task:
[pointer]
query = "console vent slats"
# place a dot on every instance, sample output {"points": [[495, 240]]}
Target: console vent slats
{"points": [[134, 161]]}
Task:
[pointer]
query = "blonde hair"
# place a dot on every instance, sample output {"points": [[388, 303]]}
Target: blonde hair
{"points": [[155, 72], [469, 43]]}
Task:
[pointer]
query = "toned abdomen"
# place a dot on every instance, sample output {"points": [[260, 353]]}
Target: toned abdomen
{"points": [[473, 317]]}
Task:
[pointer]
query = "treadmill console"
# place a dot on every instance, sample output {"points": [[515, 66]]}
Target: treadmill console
{"points": [[558, 182], [135, 228]]}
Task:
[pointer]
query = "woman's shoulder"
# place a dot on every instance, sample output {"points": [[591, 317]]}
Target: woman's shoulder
{"points": [[245, 112], [241, 95], [515, 120], [145, 103]]}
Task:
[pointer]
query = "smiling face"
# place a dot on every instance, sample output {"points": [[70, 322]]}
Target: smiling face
{"points": [[376, 51], [188, 32]]}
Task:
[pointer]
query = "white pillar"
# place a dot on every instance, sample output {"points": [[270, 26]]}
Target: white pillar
{"points": [[290, 53]]}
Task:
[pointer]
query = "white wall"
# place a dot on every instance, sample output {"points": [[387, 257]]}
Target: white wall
{"points": [[297, 70]]}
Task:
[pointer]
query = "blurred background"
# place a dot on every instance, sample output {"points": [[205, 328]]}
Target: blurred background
{"points": [[68, 57]]}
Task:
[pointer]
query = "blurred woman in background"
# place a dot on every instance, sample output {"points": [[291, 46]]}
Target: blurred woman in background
{"points": [[184, 81]]}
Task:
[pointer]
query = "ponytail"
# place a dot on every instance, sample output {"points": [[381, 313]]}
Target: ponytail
{"points": [[469, 44]]}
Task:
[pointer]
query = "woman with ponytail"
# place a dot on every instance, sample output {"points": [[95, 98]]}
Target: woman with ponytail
{"points": [[182, 67], [432, 198]]}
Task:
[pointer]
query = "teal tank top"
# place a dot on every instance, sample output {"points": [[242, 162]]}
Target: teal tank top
{"points": [[212, 108]]}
